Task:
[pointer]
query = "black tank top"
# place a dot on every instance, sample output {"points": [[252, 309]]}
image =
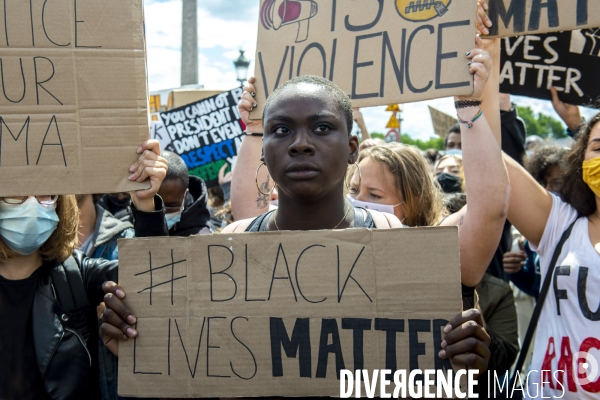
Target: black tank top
{"points": [[362, 219]]}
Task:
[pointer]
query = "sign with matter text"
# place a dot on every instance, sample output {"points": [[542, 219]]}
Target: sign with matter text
{"points": [[379, 52], [282, 313], [206, 134], [568, 61], [73, 105]]}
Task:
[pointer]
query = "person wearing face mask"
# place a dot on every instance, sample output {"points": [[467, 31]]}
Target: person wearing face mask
{"points": [[449, 173], [49, 291], [185, 199]]}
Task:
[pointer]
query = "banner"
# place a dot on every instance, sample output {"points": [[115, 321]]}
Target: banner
{"points": [[281, 313], [206, 134], [569, 61], [73, 104], [521, 17], [441, 121], [379, 52]]}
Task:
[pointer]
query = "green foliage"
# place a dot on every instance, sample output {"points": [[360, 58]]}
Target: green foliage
{"points": [[433, 143], [541, 124]]}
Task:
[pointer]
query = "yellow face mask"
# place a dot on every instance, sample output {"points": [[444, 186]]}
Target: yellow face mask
{"points": [[591, 174]]}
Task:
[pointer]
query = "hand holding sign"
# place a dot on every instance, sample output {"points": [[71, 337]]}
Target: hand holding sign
{"points": [[117, 320], [483, 21], [247, 103], [569, 113], [480, 66], [151, 166]]}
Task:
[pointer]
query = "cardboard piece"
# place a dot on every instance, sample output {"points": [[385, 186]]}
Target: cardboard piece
{"points": [[206, 134], [73, 105], [522, 17], [378, 52], [441, 121], [213, 311], [569, 61]]}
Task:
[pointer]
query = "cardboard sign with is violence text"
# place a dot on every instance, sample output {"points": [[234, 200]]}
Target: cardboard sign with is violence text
{"points": [[73, 104], [378, 51], [280, 314]]}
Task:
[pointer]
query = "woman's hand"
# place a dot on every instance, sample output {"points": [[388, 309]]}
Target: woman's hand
{"points": [[483, 21], [117, 320], [480, 66], [247, 104], [150, 165], [467, 343], [514, 262]]}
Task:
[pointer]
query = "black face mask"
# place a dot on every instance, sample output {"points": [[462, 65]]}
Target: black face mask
{"points": [[118, 203], [449, 183]]}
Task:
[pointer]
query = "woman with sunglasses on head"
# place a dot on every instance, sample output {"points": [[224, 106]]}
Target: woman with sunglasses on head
{"points": [[49, 291]]}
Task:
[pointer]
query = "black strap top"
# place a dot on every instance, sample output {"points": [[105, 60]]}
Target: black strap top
{"points": [[362, 219]]}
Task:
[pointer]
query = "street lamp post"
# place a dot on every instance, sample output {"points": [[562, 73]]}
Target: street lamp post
{"points": [[241, 67]]}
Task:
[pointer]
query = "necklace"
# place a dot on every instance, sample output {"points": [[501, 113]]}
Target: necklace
{"points": [[338, 224]]}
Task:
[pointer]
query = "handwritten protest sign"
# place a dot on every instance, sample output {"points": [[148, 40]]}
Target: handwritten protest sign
{"points": [[379, 52], [520, 17], [73, 105], [569, 61], [279, 314], [441, 121], [206, 134]]}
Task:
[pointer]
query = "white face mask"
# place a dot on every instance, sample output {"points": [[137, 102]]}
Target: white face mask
{"points": [[387, 208]]}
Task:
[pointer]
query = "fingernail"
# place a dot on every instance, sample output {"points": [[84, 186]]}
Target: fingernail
{"points": [[442, 354], [468, 53], [120, 293], [131, 332], [125, 337], [254, 104], [470, 62], [252, 94], [488, 24], [139, 149], [131, 319], [447, 328], [131, 177], [444, 344], [132, 168], [486, 31]]}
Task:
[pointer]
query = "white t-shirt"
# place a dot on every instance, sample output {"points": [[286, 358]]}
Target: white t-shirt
{"points": [[570, 320]]}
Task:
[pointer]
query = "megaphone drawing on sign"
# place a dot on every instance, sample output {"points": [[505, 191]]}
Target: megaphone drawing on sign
{"points": [[277, 13]]}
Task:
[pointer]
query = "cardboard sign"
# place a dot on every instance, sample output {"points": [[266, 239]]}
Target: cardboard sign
{"points": [[279, 314], [520, 17], [441, 121], [569, 61], [73, 104], [379, 52], [206, 134]]}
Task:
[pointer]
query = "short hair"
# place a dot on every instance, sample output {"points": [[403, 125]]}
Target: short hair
{"points": [[177, 168], [453, 129], [544, 157], [341, 99], [63, 241], [431, 155]]}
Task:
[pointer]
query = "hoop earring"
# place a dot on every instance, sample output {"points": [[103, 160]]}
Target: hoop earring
{"points": [[258, 186], [359, 181]]}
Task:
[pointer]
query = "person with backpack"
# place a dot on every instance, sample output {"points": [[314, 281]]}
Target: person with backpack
{"points": [[49, 291], [307, 148]]}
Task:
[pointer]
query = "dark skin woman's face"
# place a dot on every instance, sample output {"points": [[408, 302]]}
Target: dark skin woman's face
{"points": [[306, 144]]}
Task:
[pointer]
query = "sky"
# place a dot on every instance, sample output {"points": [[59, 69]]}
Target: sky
{"points": [[225, 27]]}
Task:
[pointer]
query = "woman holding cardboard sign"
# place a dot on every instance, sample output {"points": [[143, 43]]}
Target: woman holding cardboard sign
{"points": [[308, 147], [48, 291]]}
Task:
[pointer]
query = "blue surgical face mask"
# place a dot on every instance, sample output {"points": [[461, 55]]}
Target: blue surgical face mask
{"points": [[387, 208], [173, 218], [26, 227]]}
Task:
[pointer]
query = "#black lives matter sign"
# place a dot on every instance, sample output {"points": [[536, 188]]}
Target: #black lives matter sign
{"points": [[206, 134], [569, 61]]}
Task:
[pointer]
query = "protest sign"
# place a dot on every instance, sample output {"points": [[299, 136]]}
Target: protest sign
{"points": [[73, 105], [214, 312], [569, 61], [441, 121], [378, 52], [521, 17], [206, 134]]}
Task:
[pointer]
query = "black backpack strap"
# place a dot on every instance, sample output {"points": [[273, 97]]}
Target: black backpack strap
{"points": [[73, 305], [540, 304]]}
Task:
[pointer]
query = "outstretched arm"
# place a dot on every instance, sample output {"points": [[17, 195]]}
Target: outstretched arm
{"points": [[480, 226], [246, 200]]}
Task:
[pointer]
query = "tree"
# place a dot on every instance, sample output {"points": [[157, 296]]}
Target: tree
{"points": [[541, 124]]}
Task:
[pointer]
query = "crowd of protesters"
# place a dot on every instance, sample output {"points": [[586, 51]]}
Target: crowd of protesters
{"points": [[528, 220]]}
